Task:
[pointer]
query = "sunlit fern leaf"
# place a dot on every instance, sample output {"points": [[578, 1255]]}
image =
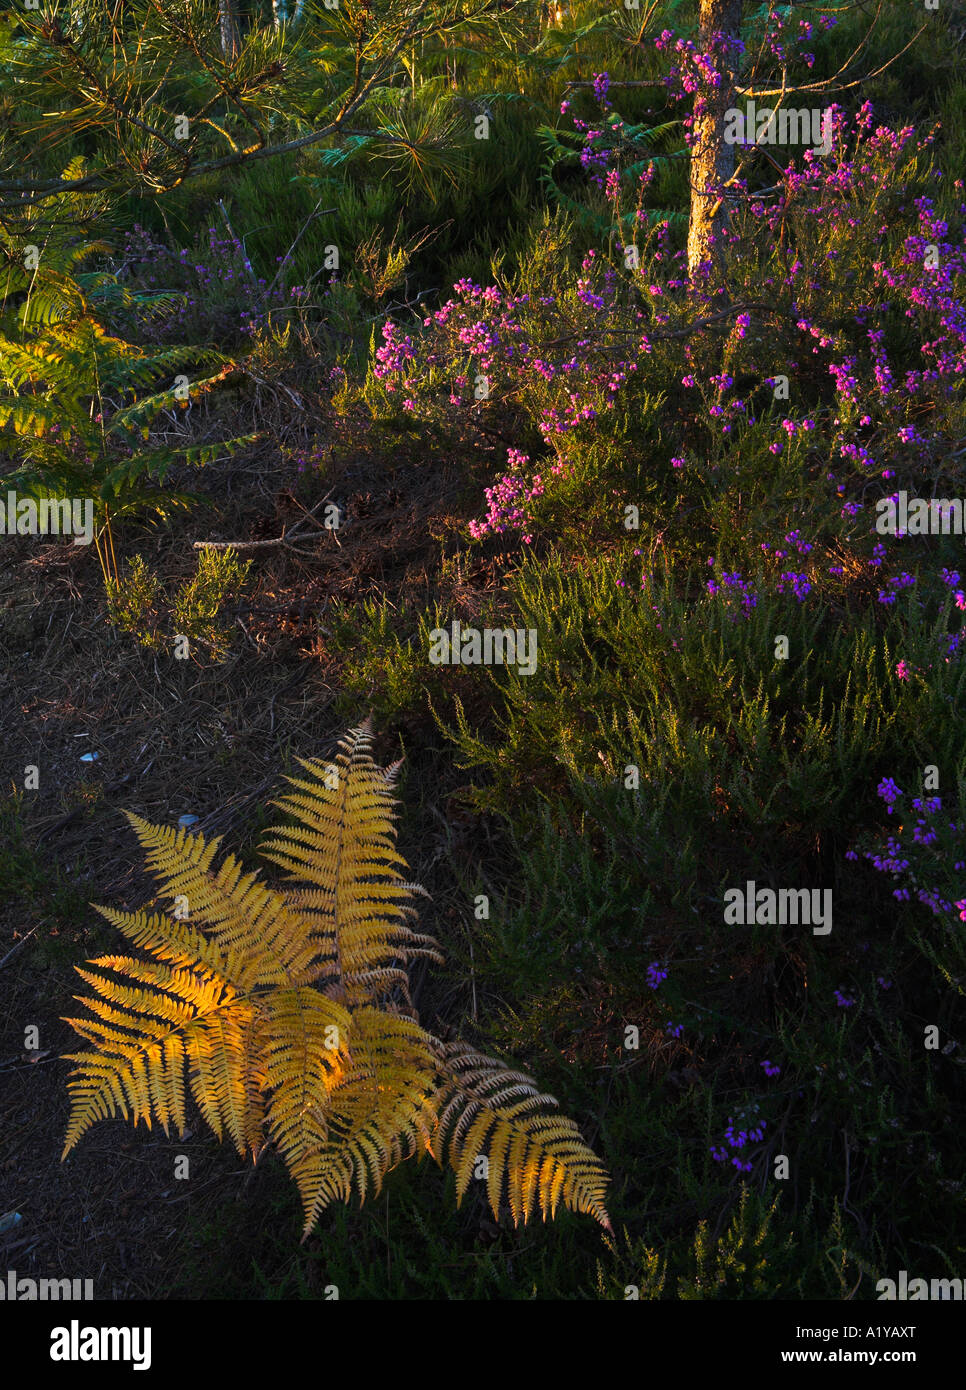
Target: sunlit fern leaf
{"points": [[341, 1170], [32, 418], [142, 1040], [375, 1116], [538, 1158], [306, 1058], [242, 913], [344, 843], [291, 1014], [66, 381]]}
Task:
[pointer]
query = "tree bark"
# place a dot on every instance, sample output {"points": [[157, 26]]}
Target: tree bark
{"points": [[228, 29], [712, 158], [288, 13]]}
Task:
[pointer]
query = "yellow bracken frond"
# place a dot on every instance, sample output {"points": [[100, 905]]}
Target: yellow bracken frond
{"points": [[290, 1015], [344, 843], [487, 1111]]}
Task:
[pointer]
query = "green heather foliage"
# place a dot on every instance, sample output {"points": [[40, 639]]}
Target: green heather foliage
{"points": [[197, 605], [136, 603], [726, 737]]}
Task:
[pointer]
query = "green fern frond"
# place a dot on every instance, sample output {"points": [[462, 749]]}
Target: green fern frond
{"points": [[66, 380]]}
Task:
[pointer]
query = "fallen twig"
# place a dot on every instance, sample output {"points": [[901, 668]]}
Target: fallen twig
{"points": [[283, 540], [16, 946]]}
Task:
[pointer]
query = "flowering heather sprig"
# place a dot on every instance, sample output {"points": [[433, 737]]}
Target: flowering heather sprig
{"points": [[394, 353], [737, 1139], [890, 792], [926, 850], [567, 379], [734, 584], [509, 499], [800, 584], [888, 595], [601, 85], [194, 279]]}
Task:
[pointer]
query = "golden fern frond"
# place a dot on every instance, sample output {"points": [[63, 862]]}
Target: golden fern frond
{"points": [[306, 1057], [243, 912], [142, 1037], [322, 1176], [227, 1075], [540, 1158], [337, 1172], [375, 1116], [318, 905], [344, 843], [175, 941], [237, 1045], [291, 1015], [392, 1067], [316, 908]]}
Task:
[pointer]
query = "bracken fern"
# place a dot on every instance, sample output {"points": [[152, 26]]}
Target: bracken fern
{"points": [[292, 1015]]}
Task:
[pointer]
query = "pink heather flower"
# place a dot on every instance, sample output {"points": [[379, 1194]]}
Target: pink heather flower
{"points": [[902, 670]]}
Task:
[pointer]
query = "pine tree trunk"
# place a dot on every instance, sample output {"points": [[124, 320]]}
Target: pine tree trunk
{"points": [[712, 158], [228, 29]]}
